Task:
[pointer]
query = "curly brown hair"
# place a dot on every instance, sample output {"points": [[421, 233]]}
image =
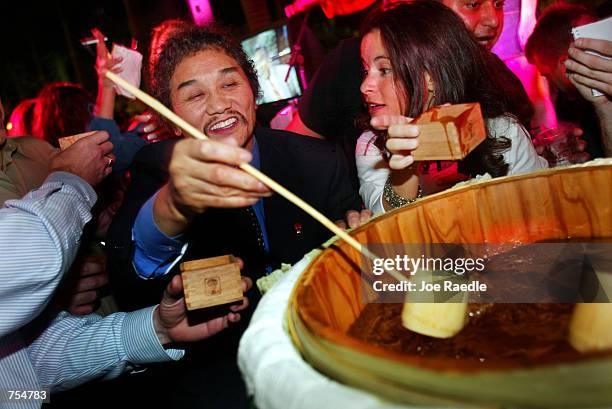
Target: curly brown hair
{"points": [[189, 42]]}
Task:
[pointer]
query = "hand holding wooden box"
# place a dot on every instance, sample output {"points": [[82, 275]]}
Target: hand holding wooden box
{"points": [[449, 132], [68, 141], [211, 281]]}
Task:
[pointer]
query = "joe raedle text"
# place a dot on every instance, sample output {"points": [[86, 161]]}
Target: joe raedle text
{"points": [[429, 274], [424, 286]]}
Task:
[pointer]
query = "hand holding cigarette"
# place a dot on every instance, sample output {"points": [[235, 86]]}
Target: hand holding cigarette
{"points": [[104, 61]]}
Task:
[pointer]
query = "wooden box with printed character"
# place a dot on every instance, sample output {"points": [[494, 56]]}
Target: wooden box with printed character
{"points": [[211, 282]]}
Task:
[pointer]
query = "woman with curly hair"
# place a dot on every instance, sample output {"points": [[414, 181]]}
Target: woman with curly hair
{"points": [[417, 55]]}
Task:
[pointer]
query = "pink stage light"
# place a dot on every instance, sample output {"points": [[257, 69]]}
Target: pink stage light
{"points": [[520, 19], [299, 6], [528, 20], [331, 8], [201, 11]]}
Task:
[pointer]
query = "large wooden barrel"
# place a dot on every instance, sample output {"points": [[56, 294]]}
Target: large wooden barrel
{"points": [[554, 204]]}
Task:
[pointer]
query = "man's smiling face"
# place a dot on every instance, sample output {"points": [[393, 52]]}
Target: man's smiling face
{"points": [[211, 92]]}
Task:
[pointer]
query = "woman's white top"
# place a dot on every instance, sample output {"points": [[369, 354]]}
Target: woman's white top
{"points": [[373, 170]]}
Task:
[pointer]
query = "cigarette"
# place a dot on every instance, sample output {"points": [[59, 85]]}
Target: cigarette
{"points": [[91, 40]]}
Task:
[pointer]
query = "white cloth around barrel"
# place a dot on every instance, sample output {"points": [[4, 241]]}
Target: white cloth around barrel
{"points": [[274, 370]]}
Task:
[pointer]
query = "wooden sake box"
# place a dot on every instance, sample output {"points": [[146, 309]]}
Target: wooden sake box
{"points": [[449, 132], [211, 281], [67, 141]]}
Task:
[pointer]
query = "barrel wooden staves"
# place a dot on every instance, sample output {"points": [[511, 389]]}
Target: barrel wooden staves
{"points": [[554, 204]]}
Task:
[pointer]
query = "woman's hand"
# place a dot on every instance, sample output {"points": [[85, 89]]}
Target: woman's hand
{"points": [[105, 100], [402, 139], [152, 129], [354, 219]]}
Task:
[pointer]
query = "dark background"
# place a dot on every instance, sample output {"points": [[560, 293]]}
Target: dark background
{"points": [[40, 39]]}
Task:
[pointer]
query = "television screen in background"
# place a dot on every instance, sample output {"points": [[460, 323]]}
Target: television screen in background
{"points": [[270, 52]]}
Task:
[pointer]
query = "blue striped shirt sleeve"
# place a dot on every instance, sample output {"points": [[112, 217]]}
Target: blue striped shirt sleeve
{"points": [[75, 349], [39, 237]]}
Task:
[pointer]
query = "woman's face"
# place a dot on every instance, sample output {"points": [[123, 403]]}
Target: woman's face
{"points": [[378, 88]]}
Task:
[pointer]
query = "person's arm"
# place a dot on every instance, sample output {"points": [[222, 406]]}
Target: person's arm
{"points": [[586, 72], [402, 139], [155, 253], [76, 349], [125, 144], [521, 156], [105, 100], [204, 174], [200, 177], [40, 235], [405, 183], [73, 350], [372, 171]]}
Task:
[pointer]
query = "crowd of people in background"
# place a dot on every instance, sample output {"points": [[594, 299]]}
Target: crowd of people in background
{"points": [[93, 234]]}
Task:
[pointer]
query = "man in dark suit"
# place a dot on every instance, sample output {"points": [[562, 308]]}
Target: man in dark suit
{"points": [[188, 200]]}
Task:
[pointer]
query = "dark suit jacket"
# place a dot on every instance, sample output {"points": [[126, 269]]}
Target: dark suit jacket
{"points": [[311, 168]]}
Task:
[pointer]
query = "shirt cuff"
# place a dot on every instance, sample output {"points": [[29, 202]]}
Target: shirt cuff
{"points": [[77, 183], [140, 340], [155, 253]]}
